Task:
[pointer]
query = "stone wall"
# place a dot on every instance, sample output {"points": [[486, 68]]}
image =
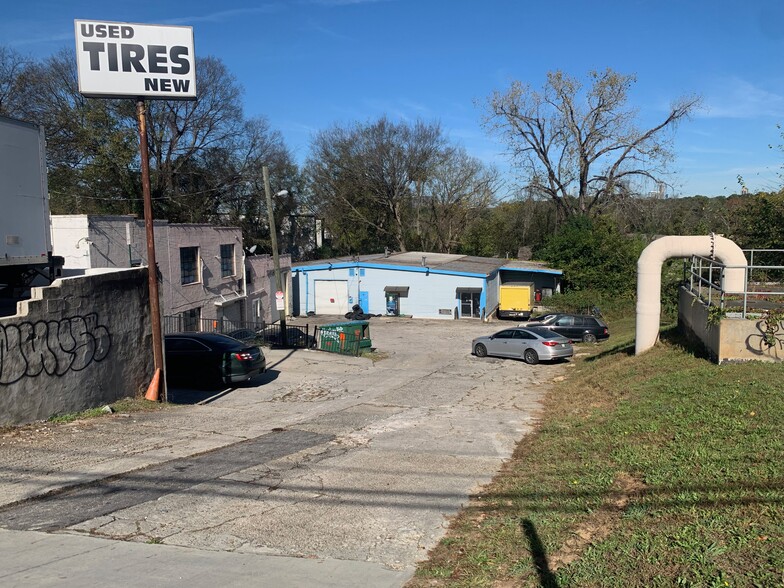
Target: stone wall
{"points": [[80, 343]]}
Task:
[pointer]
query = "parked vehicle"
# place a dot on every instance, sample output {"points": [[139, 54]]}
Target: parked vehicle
{"points": [[26, 251], [576, 327], [211, 359], [515, 300], [542, 319], [532, 344]]}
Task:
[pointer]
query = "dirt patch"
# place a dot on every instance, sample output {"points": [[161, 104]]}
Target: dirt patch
{"points": [[311, 391], [601, 522]]}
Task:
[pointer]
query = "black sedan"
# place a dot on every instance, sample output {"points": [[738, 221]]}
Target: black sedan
{"points": [[211, 359], [576, 327]]}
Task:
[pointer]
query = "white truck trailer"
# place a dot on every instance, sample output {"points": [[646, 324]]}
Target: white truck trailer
{"points": [[25, 232]]}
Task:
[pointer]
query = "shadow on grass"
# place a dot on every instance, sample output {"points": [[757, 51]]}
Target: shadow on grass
{"points": [[671, 334], [546, 577]]}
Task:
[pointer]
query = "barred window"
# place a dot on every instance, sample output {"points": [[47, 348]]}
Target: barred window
{"points": [[191, 320], [227, 260], [189, 265]]}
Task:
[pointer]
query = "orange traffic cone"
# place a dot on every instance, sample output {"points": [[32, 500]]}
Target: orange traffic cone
{"points": [[152, 390]]}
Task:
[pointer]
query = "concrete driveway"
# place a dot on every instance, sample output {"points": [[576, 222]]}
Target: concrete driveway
{"points": [[324, 463]]}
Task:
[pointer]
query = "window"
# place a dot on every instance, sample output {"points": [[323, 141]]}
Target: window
{"points": [[184, 344], [189, 265], [565, 321], [509, 334], [227, 261], [191, 319]]}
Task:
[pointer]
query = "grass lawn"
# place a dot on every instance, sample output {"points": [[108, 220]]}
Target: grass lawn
{"points": [[658, 470]]}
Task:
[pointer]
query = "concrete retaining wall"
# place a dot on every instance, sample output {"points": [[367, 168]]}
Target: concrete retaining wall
{"points": [[733, 339], [77, 344]]}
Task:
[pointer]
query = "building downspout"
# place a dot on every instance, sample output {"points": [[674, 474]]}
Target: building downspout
{"points": [[649, 267]]}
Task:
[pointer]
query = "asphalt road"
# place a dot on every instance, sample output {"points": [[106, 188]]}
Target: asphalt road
{"points": [[327, 470]]}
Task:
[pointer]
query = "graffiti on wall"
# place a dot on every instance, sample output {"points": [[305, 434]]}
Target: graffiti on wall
{"points": [[53, 348]]}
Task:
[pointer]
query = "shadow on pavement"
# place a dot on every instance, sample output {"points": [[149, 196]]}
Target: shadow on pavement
{"points": [[183, 395]]}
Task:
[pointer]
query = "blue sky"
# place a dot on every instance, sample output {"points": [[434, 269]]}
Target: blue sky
{"points": [[308, 64]]}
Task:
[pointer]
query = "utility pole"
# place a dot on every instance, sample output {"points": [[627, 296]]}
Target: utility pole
{"points": [[152, 266], [275, 258]]}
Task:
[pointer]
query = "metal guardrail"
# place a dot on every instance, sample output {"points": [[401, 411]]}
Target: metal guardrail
{"points": [[763, 284]]}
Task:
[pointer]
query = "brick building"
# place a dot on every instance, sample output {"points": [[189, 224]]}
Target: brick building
{"points": [[204, 271]]}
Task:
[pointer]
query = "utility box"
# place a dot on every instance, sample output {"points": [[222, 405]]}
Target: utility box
{"points": [[348, 338], [516, 300]]}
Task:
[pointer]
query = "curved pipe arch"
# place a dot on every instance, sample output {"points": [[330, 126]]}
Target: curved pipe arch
{"points": [[649, 267]]}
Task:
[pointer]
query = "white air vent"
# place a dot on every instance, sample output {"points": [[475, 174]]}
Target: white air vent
{"points": [[12, 240]]}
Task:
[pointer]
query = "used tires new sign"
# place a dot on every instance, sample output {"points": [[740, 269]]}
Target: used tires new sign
{"points": [[117, 59]]}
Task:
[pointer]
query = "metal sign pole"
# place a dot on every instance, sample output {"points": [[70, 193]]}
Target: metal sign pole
{"points": [[155, 311]]}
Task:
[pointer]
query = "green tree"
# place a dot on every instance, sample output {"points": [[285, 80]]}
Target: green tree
{"points": [[502, 230], [594, 255], [763, 222], [394, 185]]}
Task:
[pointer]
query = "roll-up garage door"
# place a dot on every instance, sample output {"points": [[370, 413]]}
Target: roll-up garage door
{"points": [[331, 296]]}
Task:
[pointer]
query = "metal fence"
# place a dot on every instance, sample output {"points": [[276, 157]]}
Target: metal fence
{"points": [[257, 333], [764, 282]]}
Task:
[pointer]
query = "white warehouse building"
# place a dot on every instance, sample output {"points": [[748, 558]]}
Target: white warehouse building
{"points": [[414, 283]]}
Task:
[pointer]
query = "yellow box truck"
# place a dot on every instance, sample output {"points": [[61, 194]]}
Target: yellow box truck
{"points": [[516, 300]]}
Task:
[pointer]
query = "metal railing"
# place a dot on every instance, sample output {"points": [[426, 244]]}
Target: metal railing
{"points": [[252, 332], [763, 284]]}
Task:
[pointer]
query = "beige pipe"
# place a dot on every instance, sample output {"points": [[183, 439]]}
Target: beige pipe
{"points": [[649, 267]]}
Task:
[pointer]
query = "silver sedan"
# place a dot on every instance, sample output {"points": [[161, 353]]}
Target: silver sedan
{"points": [[533, 344]]}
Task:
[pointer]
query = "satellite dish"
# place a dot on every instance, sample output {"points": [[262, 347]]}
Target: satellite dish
{"points": [[252, 249]]}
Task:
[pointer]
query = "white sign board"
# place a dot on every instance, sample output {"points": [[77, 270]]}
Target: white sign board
{"points": [[118, 59], [279, 295]]}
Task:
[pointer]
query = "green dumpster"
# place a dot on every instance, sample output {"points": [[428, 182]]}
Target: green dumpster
{"points": [[349, 338]]}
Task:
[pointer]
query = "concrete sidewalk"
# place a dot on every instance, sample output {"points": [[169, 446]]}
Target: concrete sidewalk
{"points": [[328, 470], [40, 559]]}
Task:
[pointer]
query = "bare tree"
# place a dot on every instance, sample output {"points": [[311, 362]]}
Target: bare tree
{"points": [[459, 188], [12, 66], [183, 134], [582, 148]]}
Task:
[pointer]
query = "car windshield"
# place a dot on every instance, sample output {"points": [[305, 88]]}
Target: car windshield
{"points": [[544, 333], [544, 318]]}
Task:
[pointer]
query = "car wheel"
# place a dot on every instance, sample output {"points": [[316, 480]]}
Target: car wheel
{"points": [[589, 338], [480, 350], [531, 357]]}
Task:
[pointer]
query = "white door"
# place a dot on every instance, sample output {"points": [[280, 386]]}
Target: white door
{"points": [[331, 296]]}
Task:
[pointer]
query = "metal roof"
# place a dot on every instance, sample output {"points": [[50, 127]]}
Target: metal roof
{"points": [[443, 262]]}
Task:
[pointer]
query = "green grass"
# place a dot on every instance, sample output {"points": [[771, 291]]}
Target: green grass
{"points": [[124, 405], [658, 470]]}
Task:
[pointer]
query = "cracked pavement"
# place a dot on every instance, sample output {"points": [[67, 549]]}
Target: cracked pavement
{"points": [[369, 462]]}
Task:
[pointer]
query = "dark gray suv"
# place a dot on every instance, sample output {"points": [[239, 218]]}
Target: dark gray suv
{"points": [[576, 327]]}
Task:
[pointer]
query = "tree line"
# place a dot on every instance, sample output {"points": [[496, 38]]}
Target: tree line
{"points": [[581, 160]]}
